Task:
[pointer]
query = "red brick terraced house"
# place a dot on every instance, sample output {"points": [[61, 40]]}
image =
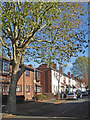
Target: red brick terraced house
{"points": [[54, 80], [46, 78], [25, 85]]}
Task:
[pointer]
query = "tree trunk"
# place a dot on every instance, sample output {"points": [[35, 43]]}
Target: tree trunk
{"points": [[11, 102]]}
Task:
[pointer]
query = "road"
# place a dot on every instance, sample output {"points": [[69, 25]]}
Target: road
{"points": [[70, 109]]}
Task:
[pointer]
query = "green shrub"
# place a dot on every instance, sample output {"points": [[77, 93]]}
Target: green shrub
{"points": [[43, 97], [38, 96]]}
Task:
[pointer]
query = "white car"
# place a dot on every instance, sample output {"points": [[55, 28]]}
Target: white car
{"points": [[85, 93], [72, 95]]}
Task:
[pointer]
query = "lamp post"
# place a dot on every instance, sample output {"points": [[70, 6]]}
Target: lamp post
{"points": [[59, 83], [34, 82]]}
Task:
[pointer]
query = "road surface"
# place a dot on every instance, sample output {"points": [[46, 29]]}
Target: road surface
{"points": [[70, 109]]}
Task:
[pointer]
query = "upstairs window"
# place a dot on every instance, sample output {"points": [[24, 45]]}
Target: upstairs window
{"points": [[19, 88], [38, 89], [27, 73], [27, 88], [6, 67], [64, 80], [69, 81], [38, 76], [5, 88]]}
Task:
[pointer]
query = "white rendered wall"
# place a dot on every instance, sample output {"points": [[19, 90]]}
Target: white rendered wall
{"points": [[55, 77]]}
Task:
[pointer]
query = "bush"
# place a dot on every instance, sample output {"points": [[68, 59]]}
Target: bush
{"points": [[50, 95], [40, 97], [43, 97]]}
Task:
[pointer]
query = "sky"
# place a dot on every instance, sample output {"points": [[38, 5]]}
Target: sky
{"points": [[69, 65], [72, 58]]}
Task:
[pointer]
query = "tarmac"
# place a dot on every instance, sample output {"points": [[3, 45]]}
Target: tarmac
{"points": [[6, 116]]}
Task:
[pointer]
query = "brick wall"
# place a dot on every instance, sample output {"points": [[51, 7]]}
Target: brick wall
{"points": [[23, 83], [46, 78]]}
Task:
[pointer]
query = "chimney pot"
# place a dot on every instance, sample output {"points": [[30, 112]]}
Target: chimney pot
{"points": [[55, 66], [61, 69], [72, 75], [69, 74]]}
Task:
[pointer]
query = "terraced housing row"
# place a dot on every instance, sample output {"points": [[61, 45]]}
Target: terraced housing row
{"points": [[47, 80]]}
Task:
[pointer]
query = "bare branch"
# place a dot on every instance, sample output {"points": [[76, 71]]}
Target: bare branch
{"points": [[41, 41], [31, 37], [9, 54], [4, 44], [37, 29], [8, 33], [33, 47]]}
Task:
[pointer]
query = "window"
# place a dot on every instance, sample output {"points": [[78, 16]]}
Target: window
{"points": [[38, 89], [64, 80], [27, 72], [70, 93], [19, 88], [56, 88], [69, 81], [54, 74], [5, 67], [5, 88], [35, 87], [27, 88], [38, 76]]}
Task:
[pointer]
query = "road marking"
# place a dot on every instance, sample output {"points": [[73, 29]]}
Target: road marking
{"points": [[44, 117]]}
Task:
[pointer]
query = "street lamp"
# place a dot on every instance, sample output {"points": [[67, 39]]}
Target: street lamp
{"points": [[59, 82], [34, 82]]}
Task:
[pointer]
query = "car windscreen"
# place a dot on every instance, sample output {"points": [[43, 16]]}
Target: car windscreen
{"points": [[70, 93]]}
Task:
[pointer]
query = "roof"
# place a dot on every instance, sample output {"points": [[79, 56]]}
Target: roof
{"points": [[26, 66], [64, 84], [32, 69]]}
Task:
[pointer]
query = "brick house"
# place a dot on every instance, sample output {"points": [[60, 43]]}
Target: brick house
{"points": [[25, 85], [54, 80], [46, 78], [50, 78]]}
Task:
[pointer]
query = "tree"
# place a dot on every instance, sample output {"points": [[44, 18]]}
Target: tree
{"points": [[44, 30], [80, 67]]}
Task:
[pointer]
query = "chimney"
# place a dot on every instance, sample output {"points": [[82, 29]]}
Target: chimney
{"points": [[30, 66], [61, 69], [72, 75], [55, 66], [69, 74]]}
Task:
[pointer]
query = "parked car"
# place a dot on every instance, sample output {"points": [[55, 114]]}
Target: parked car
{"points": [[72, 95], [84, 93], [88, 92]]}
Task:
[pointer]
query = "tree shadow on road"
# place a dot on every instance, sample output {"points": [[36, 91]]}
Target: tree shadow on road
{"points": [[71, 109]]}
